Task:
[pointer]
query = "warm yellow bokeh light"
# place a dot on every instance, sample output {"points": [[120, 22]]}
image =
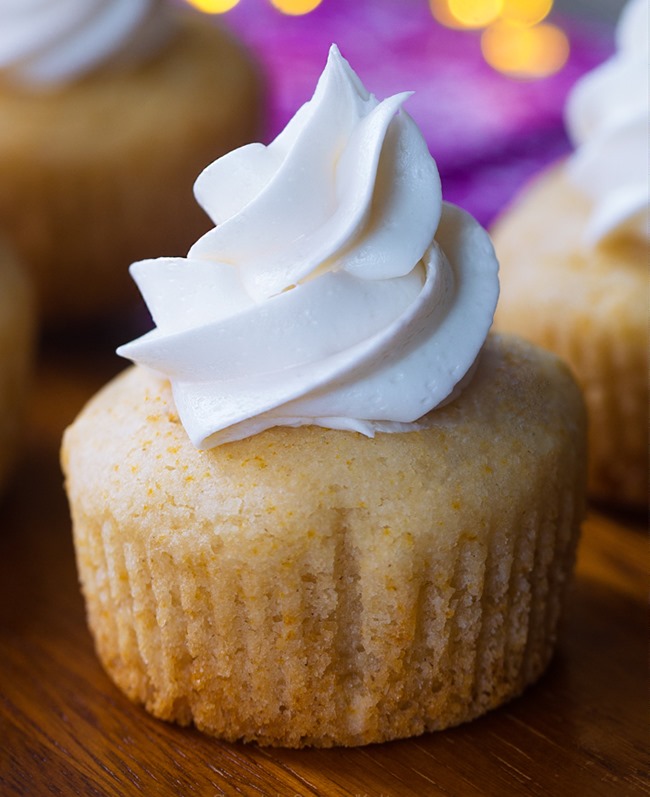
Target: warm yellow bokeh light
{"points": [[296, 7], [213, 6], [525, 52], [442, 14], [475, 13], [526, 12]]}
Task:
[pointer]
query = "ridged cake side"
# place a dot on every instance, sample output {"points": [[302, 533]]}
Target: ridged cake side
{"points": [[309, 586]]}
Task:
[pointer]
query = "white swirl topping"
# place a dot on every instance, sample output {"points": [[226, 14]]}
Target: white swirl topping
{"points": [[337, 289], [47, 42], [607, 119]]}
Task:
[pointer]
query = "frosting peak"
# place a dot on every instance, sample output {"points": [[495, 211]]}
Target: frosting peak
{"points": [[607, 119], [279, 237], [47, 42], [336, 288]]}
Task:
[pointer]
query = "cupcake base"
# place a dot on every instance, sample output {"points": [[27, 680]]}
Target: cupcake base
{"points": [[316, 587], [589, 306], [95, 175]]}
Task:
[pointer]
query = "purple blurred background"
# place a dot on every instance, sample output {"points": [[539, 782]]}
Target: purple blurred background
{"points": [[488, 133]]}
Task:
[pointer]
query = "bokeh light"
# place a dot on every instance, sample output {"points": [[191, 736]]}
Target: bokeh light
{"points": [[213, 6], [526, 12], [475, 13], [515, 40], [442, 14], [523, 52], [296, 7]]}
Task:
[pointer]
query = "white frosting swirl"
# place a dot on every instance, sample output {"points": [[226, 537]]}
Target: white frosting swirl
{"points": [[607, 119], [337, 288], [47, 42]]}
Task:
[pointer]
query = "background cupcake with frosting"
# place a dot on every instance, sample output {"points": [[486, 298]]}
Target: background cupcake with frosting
{"points": [[326, 507], [110, 108], [574, 255]]}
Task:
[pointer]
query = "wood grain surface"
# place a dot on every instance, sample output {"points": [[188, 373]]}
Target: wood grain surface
{"points": [[66, 730]]}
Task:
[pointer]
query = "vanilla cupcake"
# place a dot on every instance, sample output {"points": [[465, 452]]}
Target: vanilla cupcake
{"points": [[111, 109], [323, 509], [574, 254], [16, 351]]}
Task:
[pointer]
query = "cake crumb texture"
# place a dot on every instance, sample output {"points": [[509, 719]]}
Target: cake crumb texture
{"points": [[316, 587]]}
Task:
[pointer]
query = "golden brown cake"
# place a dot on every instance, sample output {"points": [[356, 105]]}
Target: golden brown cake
{"points": [[322, 510], [90, 171], [590, 306], [310, 586], [16, 350]]}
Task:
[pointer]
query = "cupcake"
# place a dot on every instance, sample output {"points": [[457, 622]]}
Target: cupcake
{"points": [[574, 254], [111, 107], [16, 345], [325, 507]]}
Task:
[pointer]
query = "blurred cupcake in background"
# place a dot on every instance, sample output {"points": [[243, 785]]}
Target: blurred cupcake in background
{"points": [[110, 109], [16, 348], [574, 254]]}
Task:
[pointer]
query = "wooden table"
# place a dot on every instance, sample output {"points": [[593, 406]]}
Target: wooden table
{"points": [[66, 730]]}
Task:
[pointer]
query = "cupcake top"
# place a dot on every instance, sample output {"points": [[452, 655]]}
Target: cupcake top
{"points": [[44, 43], [336, 289], [607, 117]]}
